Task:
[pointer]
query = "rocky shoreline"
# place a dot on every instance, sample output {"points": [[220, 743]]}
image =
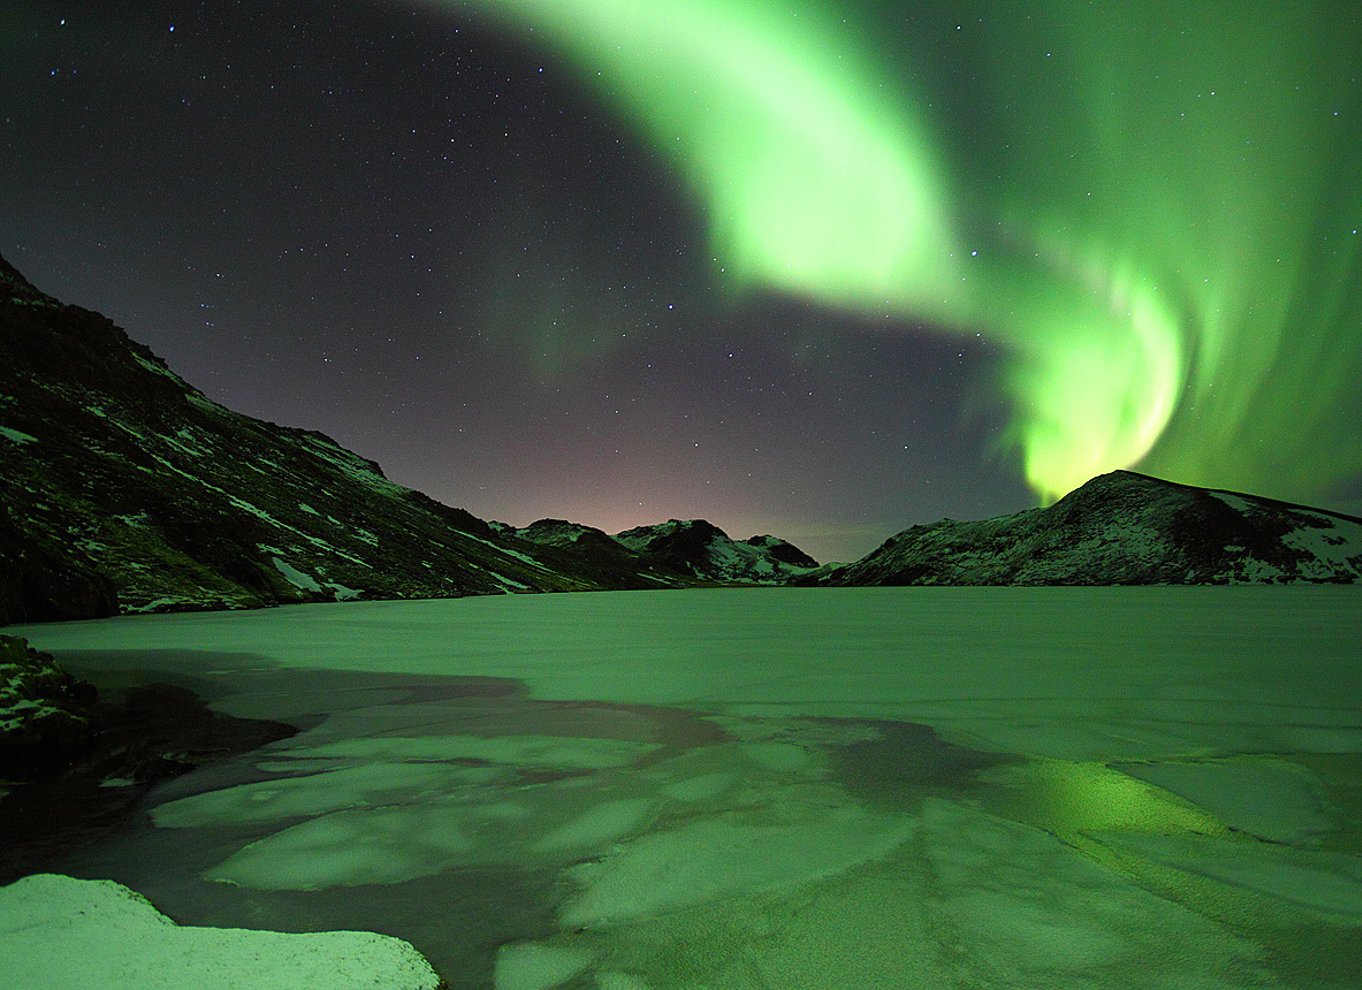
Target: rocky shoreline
{"points": [[75, 765], [45, 713]]}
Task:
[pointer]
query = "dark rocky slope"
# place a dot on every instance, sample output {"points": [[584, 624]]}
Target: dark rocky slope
{"points": [[1123, 528], [126, 489], [704, 552], [602, 551], [679, 552], [75, 762], [44, 711]]}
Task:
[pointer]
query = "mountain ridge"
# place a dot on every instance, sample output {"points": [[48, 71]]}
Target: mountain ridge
{"points": [[1123, 528], [126, 489], [698, 546]]}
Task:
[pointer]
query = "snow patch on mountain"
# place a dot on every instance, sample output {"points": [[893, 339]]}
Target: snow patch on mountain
{"points": [[699, 548], [17, 436]]}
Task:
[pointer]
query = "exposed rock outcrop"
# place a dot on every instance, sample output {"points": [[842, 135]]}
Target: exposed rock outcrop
{"points": [[45, 712], [701, 550], [1123, 528], [126, 489]]}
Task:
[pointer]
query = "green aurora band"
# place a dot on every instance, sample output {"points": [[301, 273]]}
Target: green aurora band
{"points": [[1151, 207]]}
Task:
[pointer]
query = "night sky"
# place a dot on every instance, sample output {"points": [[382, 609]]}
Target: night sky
{"points": [[824, 269]]}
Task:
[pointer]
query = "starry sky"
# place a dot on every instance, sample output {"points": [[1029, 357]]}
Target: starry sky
{"points": [[824, 269]]}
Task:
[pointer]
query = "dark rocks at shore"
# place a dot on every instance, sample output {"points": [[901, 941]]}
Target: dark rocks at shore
{"points": [[45, 712], [80, 766]]}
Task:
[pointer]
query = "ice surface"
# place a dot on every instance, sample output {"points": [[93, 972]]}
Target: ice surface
{"points": [[403, 812], [701, 787], [1271, 798], [369, 846], [59, 932], [537, 967], [598, 826], [1068, 799], [424, 834], [315, 794], [619, 981], [718, 788], [1326, 884], [517, 751], [1072, 673], [729, 854], [968, 899], [781, 757], [1031, 911]]}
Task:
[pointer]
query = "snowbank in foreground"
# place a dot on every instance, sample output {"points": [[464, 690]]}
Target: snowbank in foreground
{"points": [[57, 931]]}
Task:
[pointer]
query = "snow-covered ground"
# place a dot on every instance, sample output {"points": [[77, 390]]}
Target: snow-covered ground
{"points": [[1002, 787], [57, 931]]}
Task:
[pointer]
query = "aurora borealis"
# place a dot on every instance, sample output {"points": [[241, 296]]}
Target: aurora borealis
{"points": [[1140, 251], [826, 269]]}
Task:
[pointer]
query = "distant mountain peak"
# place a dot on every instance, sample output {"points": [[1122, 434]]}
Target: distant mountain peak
{"points": [[1124, 528], [698, 547], [17, 289], [782, 550]]}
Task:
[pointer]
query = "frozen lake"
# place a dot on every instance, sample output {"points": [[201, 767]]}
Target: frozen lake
{"points": [[1119, 787]]}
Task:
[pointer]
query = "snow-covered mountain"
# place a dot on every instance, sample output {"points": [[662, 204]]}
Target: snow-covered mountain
{"points": [[127, 489], [601, 550], [124, 488], [700, 549], [679, 552], [1123, 528]]}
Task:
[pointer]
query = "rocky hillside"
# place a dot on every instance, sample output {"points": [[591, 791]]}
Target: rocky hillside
{"points": [[598, 549], [702, 551], [126, 489], [678, 552], [1123, 528]]}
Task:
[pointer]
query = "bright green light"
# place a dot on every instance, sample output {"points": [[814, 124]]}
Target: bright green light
{"points": [[1070, 799], [1204, 193], [814, 182], [818, 179], [1098, 361], [1163, 194]]}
